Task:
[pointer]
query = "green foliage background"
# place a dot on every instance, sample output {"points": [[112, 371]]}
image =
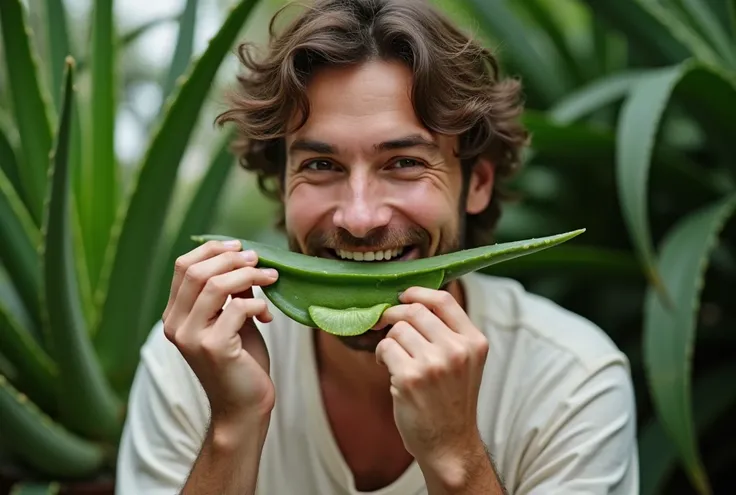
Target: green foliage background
{"points": [[631, 104]]}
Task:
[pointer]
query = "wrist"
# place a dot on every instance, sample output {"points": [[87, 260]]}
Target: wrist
{"points": [[456, 470], [230, 434]]}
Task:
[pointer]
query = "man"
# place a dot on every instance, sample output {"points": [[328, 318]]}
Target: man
{"points": [[384, 132]]}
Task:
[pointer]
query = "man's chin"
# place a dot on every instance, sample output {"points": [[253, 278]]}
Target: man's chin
{"points": [[366, 342]]}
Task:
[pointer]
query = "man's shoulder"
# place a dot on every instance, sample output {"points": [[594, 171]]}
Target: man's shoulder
{"points": [[504, 305]]}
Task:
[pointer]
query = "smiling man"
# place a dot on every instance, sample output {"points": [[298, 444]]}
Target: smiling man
{"points": [[384, 132]]}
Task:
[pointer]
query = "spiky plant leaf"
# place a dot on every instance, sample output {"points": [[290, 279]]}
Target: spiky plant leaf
{"points": [[40, 442], [29, 104], [59, 46], [139, 226], [198, 218], [700, 86], [184, 47], [99, 175], [669, 331], [36, 369], [713, 395], [19, 241], [86, 401]]}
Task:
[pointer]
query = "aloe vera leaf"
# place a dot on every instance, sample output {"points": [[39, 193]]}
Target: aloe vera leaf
{"points": [[137, 231], [346, 322], [30, 104], [294, 294], [40, 442], [86, 401], [29, 488], [19, 241], [37, 370], [454, 264], [8, 159], [99, 177], [200, 213], [58, 43], [184, 47], [306, 281]]}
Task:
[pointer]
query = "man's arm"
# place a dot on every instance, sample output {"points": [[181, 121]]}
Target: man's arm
{"points": [[468, 473], [229, 459]]}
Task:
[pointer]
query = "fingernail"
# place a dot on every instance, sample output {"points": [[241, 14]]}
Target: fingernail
{"points": [[270, 273], [231, 243], [249, 255]]}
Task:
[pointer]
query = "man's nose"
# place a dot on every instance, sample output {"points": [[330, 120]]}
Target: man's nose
{"points": [[362, 208]]}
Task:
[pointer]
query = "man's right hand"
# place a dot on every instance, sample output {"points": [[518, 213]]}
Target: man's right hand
{"points": [[223, 346]]}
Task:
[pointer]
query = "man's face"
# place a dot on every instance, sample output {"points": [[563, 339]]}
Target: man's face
{"points": [[365, 180]]}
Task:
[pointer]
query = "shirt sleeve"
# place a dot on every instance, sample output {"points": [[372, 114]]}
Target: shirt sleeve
{"points": [[588, 446], [165, 425]]}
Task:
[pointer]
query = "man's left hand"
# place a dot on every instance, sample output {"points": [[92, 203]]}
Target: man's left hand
{"points": [[435, 356]]}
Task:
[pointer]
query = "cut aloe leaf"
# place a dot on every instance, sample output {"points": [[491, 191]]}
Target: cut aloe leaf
{"points": [[347, 322], [309, 281]]}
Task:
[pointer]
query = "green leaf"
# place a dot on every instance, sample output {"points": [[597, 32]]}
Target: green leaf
{"points": [[540, 75], [704, 20], [541, 14], [572, 261], [184, 47], [86, 401], [669, 332], [198, 218], [713, 395], [8, 160], [37, 370], [646, 34], [40, 442], [713, 95], [138, 228], [99, 182], [732, 17], [569, 143], [29, 104], [592, 97], [19, 241], [680, 31], [59, 48], [35, 488]]}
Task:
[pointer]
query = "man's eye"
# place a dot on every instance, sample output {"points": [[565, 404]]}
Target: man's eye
{"points": [[406, 163], [318, 165]]}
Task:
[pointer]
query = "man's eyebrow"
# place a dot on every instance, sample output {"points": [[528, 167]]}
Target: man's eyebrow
{"points": [[313, 146], [410, 141]]}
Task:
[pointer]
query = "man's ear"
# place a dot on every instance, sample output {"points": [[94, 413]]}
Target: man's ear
{"points": [[480, 187]]}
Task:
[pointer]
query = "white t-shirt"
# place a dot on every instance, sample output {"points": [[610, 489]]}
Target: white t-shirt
{"points": [[556, 408]]}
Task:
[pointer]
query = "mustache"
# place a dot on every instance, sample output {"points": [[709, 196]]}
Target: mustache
{"points": [[383, 238]]}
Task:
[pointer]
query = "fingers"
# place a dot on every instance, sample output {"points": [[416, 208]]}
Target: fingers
{"points": [[219, 287], [442, 304], [207, 250], [409, 339], [418, 316], [199, 274], [223, 337], [391, 354]]}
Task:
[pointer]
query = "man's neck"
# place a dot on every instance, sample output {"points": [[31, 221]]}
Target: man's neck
{"points": [[356, 372]]}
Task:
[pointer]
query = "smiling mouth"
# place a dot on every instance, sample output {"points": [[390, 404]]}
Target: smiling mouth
{"points": [[391, 254]]}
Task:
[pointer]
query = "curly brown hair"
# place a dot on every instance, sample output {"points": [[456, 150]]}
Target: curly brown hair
{"points": [[456, 88]]}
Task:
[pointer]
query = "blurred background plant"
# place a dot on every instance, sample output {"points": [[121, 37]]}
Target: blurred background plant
{"points": [[630, 105]]}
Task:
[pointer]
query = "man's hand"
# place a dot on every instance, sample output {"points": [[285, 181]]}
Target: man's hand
{"points": [[435, 356]]}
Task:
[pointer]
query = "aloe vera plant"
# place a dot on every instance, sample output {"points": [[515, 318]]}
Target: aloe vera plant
{"points": [[77, 251], [348, 298], [631, 110]]}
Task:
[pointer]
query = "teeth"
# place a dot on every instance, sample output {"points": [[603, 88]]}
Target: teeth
{"points": [[369, 256]]}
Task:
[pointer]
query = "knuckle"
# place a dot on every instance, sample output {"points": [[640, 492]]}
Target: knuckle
{"points": [[181, 264], [211, 248], [445, 298], [457, 356], [481, 346], [215, 286], [170, 332], [411, 378], [415, 309], [195, 275]]}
